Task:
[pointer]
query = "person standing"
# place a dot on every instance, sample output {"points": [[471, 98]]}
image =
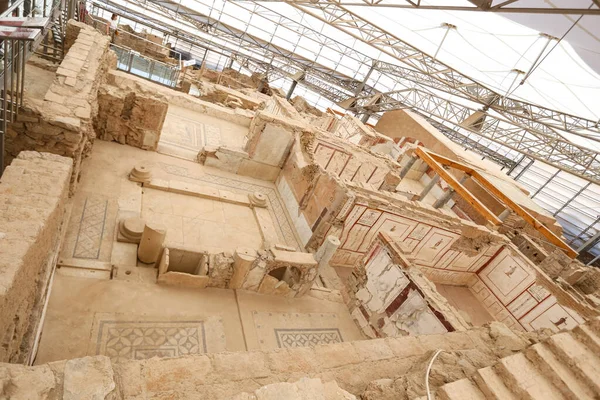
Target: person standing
{"points": [[112, 28]]}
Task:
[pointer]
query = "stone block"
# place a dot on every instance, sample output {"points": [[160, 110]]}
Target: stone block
{"points": [[27, 383], [241, 365], [286, 361], [336, 355], [258, 170], [407, 346], [66, 72], [88, 378], [174, 374], [183, 279], [372, 350]]}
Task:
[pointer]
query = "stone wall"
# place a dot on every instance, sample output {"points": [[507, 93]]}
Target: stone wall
{"points": [[132, 116], [61, 122], [129, 83], [226, 97], [269, 141], [222, 376], [33, 194]]}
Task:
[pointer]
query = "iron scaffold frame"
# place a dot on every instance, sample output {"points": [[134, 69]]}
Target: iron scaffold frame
{"points": [[507, 6], [517, 130]]}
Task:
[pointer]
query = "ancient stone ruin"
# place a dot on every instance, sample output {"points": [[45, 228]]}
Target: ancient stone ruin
{"points": [[217, 241]]}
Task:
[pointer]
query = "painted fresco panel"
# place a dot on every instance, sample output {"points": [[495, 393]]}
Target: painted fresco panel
{"points": [[507, 276], [433, 246], [522, 305], [338, 162], [323, 155], [350, 170], [550, 314]]}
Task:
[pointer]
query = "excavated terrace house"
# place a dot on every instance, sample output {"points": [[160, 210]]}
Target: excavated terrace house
{"points": [[214, 240]]}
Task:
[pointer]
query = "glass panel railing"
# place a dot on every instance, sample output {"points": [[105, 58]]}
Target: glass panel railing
{"points": [[145, 67]]}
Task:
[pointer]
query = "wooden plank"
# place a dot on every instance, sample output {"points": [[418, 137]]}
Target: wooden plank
{"points": [[450, 163], [458, 187], [520, 211]]}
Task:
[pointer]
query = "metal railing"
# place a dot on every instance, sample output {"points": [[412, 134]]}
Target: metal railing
{"points": [[18, 40]]}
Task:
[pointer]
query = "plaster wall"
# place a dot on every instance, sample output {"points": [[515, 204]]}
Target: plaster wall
{"points": [[513, 291], [394, 299], [429, 240]]}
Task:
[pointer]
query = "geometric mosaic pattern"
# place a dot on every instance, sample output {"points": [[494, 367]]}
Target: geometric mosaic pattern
{"points": [[126, 340], [307, 337], [91, 228], [238, 186], [190, 135]]}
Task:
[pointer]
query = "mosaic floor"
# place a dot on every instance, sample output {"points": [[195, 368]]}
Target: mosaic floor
{"points": [[91, 227], [283, 330], [185, 132], [122, 340]]}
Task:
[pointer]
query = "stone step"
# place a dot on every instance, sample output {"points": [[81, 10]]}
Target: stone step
{"points": [[578, 357], [585, 335], [558, 373], [594, 325], [463, 389], [492, 386], [521, 376]]}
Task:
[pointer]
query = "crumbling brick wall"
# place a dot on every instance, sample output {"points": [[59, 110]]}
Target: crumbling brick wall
{"points": [[33, 194], [61, 122]]}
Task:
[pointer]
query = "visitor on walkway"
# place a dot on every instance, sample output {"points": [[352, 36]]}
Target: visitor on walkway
{"points": [[112, 29]]}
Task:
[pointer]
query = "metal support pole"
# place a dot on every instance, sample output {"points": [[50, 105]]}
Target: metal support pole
{"points": [[591, 242], [150, 70], [448, 27], [593, 261], [130, 63], [428, 187], [525, 168], [23, 63], [515, 165], [291, 91], [365, 118], [441, 202], [12, 81], [583, 232], [4, 113], [362, 85], [572, 198], [504, 214], [17, 68], [545, 183], [408, 166]]}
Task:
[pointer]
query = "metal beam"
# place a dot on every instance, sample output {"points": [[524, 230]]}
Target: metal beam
{"points": [[539, 145], [571, 199], [545, 183], [345, 20], [412, 5]]}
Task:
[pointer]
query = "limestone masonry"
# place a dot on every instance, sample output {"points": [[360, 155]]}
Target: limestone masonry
{"points": [[170, 231]]}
